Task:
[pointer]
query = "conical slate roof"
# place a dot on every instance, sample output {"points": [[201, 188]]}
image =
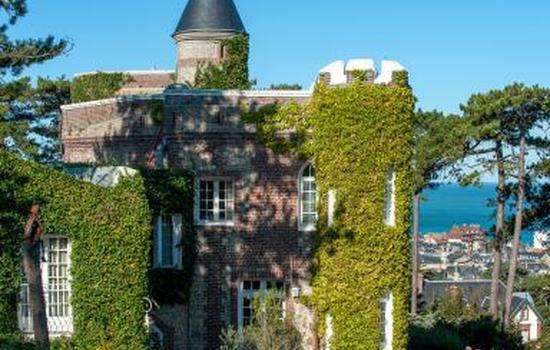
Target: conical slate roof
{"points": [[210, 16]]}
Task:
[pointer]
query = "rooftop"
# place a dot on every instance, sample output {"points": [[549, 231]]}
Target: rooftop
{"points": [[210, 16]]}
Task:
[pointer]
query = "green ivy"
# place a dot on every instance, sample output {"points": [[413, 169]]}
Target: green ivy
{"points": [[233, 71], [109, 229], [97, 86], [169, 192], [354, 134]]}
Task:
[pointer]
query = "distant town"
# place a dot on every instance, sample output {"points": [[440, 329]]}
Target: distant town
{"points": [[462, 260], [464, 253]]}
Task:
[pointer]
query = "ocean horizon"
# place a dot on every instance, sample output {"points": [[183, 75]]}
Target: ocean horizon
{"points": [[451, 204]]}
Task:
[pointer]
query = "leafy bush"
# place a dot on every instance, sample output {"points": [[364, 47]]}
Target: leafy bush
{"points": [[268, 330], [438, 337]]}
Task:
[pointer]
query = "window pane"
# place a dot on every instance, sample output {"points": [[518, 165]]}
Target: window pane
{"points": [[206, 200], [308, 197], [225, 201], [57, 281], [167, 241]]}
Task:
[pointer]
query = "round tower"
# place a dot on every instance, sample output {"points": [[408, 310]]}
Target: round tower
{"points": [[200, 34]]}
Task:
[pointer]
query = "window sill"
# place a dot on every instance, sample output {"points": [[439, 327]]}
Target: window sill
{"points": [[310, 228], [216, 224], [166, 268]]}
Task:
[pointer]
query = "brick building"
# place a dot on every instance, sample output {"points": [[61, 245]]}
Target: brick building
{"points": [[255, 210]]}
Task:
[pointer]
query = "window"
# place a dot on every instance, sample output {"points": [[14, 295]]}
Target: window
{"points": [[308, 199], [386, 322], [524, 314], [57, 289], [331, 205], [389, 199], [167, 249], [247, 292], [216, 202]]}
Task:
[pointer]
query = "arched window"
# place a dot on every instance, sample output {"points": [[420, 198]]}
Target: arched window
{"points": [[308, 198]]}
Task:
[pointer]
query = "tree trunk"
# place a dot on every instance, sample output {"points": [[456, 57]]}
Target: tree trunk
{"points": [[31, 264], [416, 224], [517, 231], [499, 231]]}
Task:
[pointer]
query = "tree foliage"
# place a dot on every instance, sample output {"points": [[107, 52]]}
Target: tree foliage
{"points": [[454, 323], [28, 115], [15, 55]]}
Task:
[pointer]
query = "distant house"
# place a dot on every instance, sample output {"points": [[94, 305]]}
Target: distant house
{"points": [[471, 235], [527, 317], [478, 294]]}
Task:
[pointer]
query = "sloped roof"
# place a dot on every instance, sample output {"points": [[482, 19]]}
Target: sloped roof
{"points": [[210, 16], [475, 291]]}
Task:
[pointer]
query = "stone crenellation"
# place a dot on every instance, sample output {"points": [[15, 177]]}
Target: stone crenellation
{"points": [[341, 73]]}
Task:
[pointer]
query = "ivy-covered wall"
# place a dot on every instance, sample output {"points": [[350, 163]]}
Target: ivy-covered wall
{"points": [[232, 73], [97, 86], [171, 191], [109, 229], [354, 134]]}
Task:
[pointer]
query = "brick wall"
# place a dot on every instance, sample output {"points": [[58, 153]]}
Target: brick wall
{"points": [[203, 132]]}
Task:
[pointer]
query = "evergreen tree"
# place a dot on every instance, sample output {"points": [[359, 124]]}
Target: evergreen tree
{"points": [[505, 126], [27, 114], [439, 143]]}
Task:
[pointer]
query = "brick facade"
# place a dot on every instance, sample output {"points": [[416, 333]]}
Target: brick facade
{"points": [[203, 132]]}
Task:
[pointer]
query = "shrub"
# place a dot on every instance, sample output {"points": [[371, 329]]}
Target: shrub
{"points": [[268, 330], [439, 337]]}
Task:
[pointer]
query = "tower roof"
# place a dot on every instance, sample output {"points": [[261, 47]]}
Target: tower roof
{"points": [[210, 16]]}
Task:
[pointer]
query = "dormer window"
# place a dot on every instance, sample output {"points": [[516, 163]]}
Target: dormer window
{"points": [[307, 199]]}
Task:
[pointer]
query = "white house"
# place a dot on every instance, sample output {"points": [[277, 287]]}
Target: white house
{"points": [[526, 317]]}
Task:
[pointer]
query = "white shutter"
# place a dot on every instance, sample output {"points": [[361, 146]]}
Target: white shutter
{"points": [[178, 235]]}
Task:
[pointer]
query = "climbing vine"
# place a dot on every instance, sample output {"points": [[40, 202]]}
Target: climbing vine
{"points": [[109, 230], [171, 192], [97, 86], [354, 134], [233, 71]]}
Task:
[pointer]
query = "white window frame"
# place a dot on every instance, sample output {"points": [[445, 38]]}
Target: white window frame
{"points": [[57, 325], [331, 206], [389, 198], [216, 182], [386, 310], [176, 251], [306, 227], [249, 294]]}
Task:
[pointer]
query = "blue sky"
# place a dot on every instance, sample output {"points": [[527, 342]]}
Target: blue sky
{"points": [[452, 48]]}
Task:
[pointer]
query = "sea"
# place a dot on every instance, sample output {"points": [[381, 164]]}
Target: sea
{"points": [[452, 204]]}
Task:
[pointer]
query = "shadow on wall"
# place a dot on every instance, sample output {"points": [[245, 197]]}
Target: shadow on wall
{"points": [[204, 133]]}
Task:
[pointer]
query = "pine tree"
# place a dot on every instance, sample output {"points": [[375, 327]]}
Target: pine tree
{"points": [[27, 114], [439, 143]]}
